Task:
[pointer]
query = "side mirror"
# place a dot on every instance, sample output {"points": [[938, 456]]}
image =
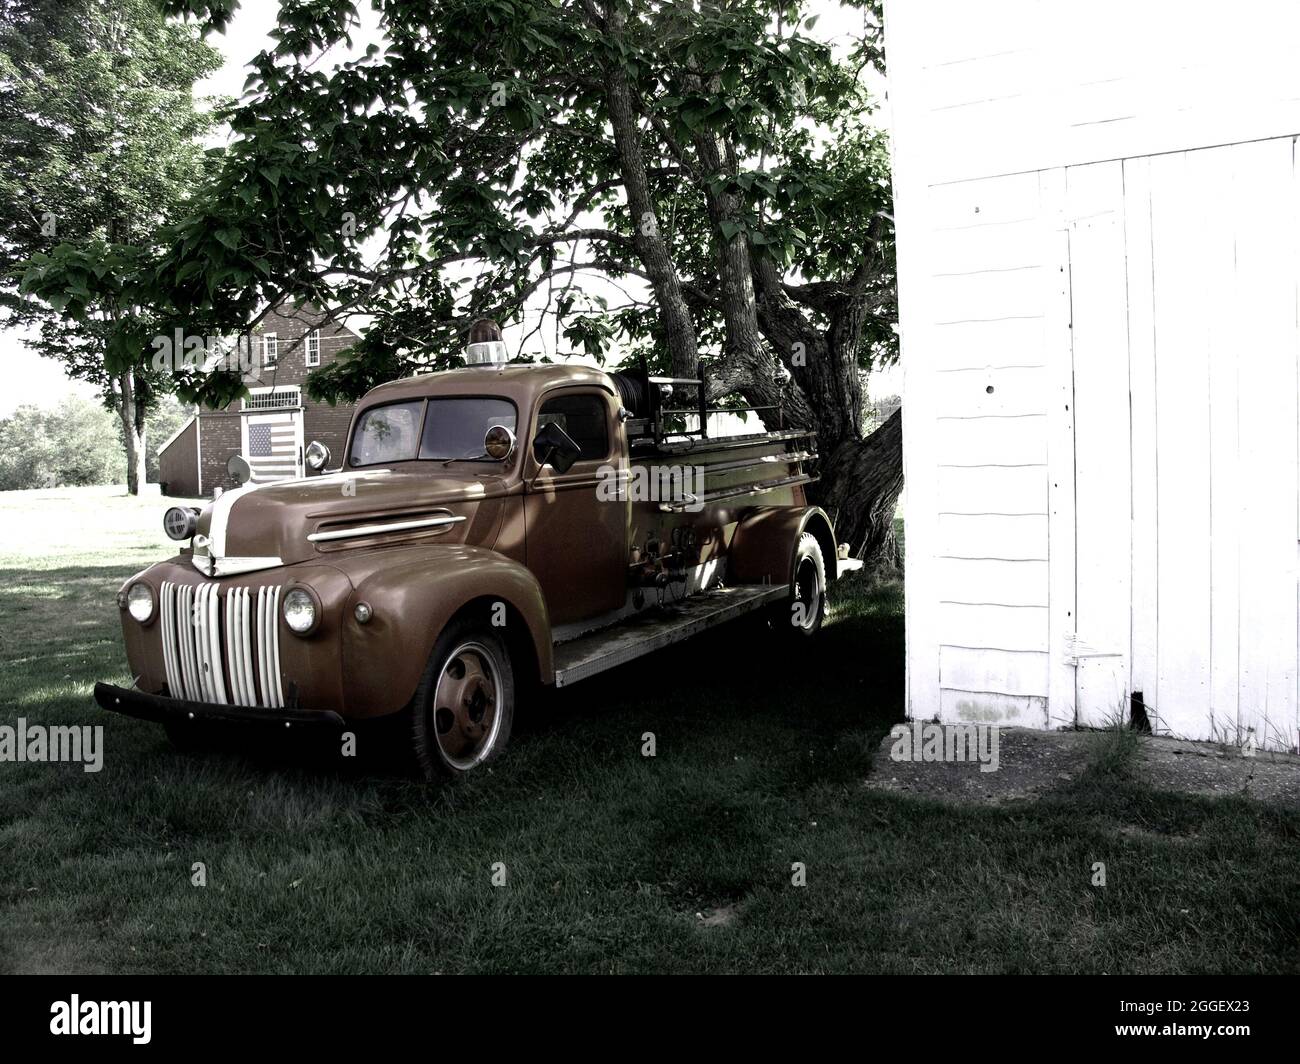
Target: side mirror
{"points": [[317, 455], [239, 468], [553, 446]]}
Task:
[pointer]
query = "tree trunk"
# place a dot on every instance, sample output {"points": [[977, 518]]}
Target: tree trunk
{"points": [[651, 248], [130, 412], [859, 488], [860, 478]]}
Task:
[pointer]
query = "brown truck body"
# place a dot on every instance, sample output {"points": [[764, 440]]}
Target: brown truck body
{"points": [[649, 525]]}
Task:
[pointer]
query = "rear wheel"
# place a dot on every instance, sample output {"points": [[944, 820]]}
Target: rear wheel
{"points": [[803, 613], [463, 710]]}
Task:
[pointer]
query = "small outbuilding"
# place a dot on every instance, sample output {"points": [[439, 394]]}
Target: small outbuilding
{"points": [[1098, 218], [274, 423]]}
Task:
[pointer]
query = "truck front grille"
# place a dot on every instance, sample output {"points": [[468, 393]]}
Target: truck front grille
{"points": [[222, 648]]}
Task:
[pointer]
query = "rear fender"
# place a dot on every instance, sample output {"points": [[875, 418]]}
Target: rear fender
{"points": [[762, 549], [412, 600]]}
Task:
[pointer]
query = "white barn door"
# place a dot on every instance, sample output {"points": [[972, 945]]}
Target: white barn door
{"points": [[1096, 643], [1182, 345]]}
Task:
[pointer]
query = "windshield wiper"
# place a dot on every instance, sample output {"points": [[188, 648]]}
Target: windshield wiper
{"points": [[466, 458]]}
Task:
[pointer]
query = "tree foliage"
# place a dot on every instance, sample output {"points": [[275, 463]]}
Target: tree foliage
{"points": [[713, 159], [74, 443], [473, 160], [99, 135]]}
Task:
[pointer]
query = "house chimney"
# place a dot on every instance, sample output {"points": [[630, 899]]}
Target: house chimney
{"points": [[486, 348]]}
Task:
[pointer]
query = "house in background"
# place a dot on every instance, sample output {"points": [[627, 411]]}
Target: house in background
{"points": [[1098, 211], [272, 426]]}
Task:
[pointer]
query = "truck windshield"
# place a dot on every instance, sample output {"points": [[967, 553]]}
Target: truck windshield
{"points": [[387, 434], [436, 428], [454, 428]]}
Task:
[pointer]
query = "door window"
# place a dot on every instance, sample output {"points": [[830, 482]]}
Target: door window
{"points": [[583, 417]]}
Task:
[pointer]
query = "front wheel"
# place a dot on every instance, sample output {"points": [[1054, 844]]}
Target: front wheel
{"points": [[463, 709], [804, 612]]}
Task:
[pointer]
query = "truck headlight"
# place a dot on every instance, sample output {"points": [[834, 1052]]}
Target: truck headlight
{"points": [[301, 613], [139, 602]]}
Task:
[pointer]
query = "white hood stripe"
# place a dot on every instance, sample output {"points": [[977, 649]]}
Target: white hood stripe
{"points": [[225, 502]]}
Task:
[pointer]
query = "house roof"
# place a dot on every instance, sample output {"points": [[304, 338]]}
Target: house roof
{"points": [[176, 435]]}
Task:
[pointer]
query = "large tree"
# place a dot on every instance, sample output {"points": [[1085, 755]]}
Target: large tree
{"points": [[98, 149], [495, 152]]}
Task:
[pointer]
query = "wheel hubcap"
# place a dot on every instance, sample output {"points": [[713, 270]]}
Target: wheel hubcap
{"points": [[465, 716]]}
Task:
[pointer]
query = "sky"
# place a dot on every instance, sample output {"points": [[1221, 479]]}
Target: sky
{"points": [[32, 379]]}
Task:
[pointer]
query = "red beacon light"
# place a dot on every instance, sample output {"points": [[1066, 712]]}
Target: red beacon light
{"points": [[485, 347]]}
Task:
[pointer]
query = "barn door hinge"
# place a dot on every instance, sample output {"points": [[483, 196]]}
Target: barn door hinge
{"points": [[1076, 650]]}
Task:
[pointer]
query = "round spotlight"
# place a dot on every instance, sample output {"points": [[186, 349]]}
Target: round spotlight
{"points": [[300, 612], [139, 602], [180, 522], [499, 442], [317, 455]]}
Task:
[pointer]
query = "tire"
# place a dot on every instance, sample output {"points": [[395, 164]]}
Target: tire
{"points": [[463, 709], [803, 613]]}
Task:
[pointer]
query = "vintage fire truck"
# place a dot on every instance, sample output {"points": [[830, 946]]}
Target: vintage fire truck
{"points": [[443, 569]]}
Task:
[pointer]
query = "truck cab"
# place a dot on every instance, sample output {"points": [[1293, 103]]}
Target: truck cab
{"points": [[488, 529]]}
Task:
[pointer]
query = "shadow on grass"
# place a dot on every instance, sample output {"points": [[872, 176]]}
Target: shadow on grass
{"points": [[315, 863], [729, 691]]}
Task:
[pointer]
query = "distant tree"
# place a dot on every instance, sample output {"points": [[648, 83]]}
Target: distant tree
{"points": [[26, 453], [73, 443], [99, 147]]}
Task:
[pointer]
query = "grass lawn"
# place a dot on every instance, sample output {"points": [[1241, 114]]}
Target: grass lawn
{"points": [[614, 862]]}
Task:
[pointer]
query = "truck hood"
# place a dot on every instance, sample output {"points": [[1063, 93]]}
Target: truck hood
{"points": [[263, 526]]}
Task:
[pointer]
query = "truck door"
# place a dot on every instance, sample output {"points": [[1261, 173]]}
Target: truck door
{"points": [[576, 540]]}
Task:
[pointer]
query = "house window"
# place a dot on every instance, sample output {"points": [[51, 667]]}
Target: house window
{"points": [[270, 350], [286, 395], [313, 348]]}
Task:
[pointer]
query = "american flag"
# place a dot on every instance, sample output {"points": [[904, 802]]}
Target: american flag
{"points": [[259, 441]]}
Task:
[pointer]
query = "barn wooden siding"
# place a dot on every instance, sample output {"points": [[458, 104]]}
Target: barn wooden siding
{"points": [[1098, 256], [178, 461]]}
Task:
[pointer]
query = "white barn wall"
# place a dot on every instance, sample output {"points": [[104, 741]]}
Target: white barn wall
{"points": [[1014, 86], [1098, 301]]}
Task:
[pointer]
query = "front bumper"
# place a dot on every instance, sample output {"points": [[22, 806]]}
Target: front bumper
{"points": [[134, 703]]}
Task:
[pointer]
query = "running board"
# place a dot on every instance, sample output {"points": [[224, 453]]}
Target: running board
{"points": [[654, 629]]}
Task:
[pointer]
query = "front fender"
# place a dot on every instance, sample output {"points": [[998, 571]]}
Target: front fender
{"points": [[413, 594]]}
